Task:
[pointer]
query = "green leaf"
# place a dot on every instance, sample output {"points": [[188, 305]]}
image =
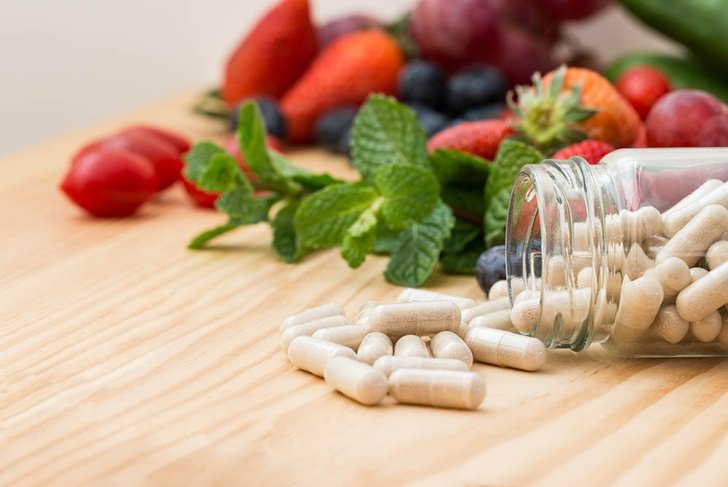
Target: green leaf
{"points": [[415, 258], [221, 174], [198, 159], [386, 132], [457, 258], [284, 233], [360, 239], [462, 234], [241, 205], [464, 200], [410, 193], [511, 157], [251, 137], [303, 177], [324, 217], [386, 240], [201, 240], [457, 167]]}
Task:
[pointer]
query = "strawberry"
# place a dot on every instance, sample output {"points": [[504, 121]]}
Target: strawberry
{"points": [[273, 56], [344, 73], [591, 150], [573, 104], [481, 138]]}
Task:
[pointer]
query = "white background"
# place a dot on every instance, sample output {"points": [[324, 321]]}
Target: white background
{"points": [[68, 63]]}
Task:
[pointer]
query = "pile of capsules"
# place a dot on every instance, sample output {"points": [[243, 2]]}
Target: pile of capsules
{"points": [[419, 350], [669, 288]]}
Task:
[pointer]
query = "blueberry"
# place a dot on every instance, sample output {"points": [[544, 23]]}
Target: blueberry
{"points": [[474, 87], [431, 120], [422, 82], [343, 145], [275, 123], [332, 125], [485, 112], [491, 267]]}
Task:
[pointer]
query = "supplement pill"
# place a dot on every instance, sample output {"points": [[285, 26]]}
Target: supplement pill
{"points": [[323, 311], [636, 262], [411, 295], [421, 319], [673, 274], [375, 345], [347, 335], [640, 224], [693, 240], [641, 300], [411, 346], [447, 344], [669, 325], [362, 316], [696, 273], [437, 388], [723, 335], [526, 311], [496, 304], [678, 219], [701, 191], [497, 319], [312, 355], [506, 349], [707, 329], [717, 254], [499, 289], [309, 328], [356, 380], [389, 364], [705, 295]]}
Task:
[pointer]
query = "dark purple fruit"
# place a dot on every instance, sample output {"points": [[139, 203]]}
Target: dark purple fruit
{"points": [[491, 267]]}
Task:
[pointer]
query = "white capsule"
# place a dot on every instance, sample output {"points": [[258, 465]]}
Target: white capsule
{"points": [[506, 349], [323, 311], [723, 336], [499, 289], [707, 329], [375, 345], [411, 346], [421, 318], [490, 306], [585, 277], [636, 262], [447, 344], [641, 300], [356, 380], [411, 295], [312, 355], [701, 191], [673, 274], [556, 272], [526, 311], [696, 273], [642, 223], [462, 330], [309, 328], [362, 316], [679, 218], [669, 325], [717, 254], [568, 308], [497, 319], [705, 295], [347, 335], [653, 245], [389, 364], [693, 240], [437, 388]]}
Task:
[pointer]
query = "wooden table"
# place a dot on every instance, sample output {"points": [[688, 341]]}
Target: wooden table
{"points": [[127, 359]]}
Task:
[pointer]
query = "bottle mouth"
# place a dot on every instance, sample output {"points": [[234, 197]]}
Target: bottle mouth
{"points": [[551, 236]]}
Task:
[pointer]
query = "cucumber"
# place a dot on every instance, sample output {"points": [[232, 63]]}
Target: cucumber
{"points": [[701, 25], [683, 73]]}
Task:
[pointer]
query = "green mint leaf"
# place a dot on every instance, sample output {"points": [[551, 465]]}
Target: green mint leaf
{"points": [[386, 240], [307, 179], [465, 201], [511, 157], [410, 193], [456, 167], [324, 217], [415, 258], [360, 239], [242, 206], [285, 242], [387, 132], [221, 174], [201, 240], [198, 159], [251, 137], [463, 262], [462, 234]]}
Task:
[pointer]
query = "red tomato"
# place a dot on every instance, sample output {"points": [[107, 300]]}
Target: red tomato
{"points": [[110, 183], [163, 156], [201, 198], [180, 143]]}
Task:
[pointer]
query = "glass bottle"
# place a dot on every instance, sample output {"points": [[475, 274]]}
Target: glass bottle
{"points": [[614, 253]]}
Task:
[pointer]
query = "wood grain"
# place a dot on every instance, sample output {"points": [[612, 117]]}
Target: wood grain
{"points": [[127, 359]]}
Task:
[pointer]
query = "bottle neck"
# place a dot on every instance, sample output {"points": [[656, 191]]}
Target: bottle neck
{"points": [[561, 248]]}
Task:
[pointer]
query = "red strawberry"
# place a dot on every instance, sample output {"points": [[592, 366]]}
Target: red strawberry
{"points": [[273, 56], [481, 138], [591, 150], [345, 73]]}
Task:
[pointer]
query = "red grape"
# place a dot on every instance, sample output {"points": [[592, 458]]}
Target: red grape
{"points": [[336, 28], [688, 118], [518, 55], [572, 9]]}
